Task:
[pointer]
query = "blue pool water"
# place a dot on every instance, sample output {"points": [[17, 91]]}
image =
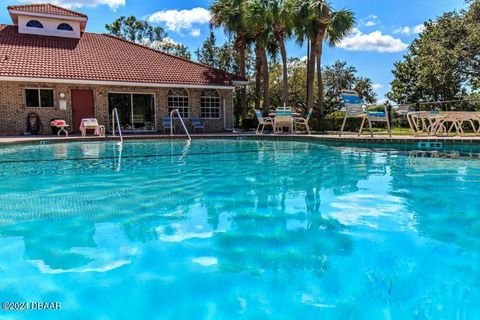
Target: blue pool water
{"points": [[227, 229]]}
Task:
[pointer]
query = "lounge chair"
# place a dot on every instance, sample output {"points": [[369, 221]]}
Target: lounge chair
{"points": [[61, 125], [197, 124], [427, 122], [458, 119], [283, 119], [355, 108], [303, 122], [167, 124], [262, 122], [92, 124]]}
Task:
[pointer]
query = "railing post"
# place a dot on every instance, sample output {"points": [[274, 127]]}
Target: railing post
{"points": [[115, 119], [181, 120], [113, 122]]}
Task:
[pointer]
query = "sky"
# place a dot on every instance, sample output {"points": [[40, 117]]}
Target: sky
{"points": [[383, 31]]}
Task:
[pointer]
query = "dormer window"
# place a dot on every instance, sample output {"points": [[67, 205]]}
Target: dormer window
{"points": [[34, 24], [64, 27], [48, 20]]}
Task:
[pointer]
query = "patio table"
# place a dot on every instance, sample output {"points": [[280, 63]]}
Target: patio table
{"points": [[294, 114]]}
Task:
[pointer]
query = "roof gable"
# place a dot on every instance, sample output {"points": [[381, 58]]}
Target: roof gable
{"points": [[47, 8]]}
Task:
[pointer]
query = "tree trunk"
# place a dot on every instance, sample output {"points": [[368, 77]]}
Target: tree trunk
{"points": [[321, 92], [242, 110], [317, 50], [258, 75], [310, 77], [283, 53], [266, 82], [308, 65]]}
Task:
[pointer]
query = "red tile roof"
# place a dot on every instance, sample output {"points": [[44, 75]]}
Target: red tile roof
{"points": [[46, 8], [99, 57]]}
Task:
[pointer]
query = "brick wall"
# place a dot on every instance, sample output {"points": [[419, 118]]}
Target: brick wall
{"points": [[13, 113]]}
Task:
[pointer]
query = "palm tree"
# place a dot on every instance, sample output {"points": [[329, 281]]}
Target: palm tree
{"points": [[229, 14], [279, 15], [257, 21], [340, 25], [315, 21]]}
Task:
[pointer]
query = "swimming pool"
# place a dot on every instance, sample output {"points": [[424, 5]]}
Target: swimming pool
{"points": [[225, 229]]}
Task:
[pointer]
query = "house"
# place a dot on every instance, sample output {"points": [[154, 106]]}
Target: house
{"points": [[50, 66]]}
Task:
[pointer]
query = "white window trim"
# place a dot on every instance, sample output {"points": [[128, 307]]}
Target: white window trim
{"points": [[131, 93], [219, 102], [187, 96], [39, 98]]}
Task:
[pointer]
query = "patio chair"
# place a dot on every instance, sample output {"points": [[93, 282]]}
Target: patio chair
{"points": [[197, 124], [167, 124], [61, 125], [303, 122], [262, 122], [283, 119], [92, 124], [355, 108]]}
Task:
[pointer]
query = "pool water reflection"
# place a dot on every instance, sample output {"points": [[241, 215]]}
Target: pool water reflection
{"points": [[238, 229]]}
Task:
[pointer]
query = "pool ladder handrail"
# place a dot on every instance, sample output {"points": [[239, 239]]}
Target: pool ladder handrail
{"points": [[115, 120], [181, 120]]}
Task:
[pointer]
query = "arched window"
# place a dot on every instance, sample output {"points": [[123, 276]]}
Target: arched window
{"points": [[64, 27], [34, 24], [210, 104], [178, 99]]}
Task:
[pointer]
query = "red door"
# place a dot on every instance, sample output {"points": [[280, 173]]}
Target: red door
{"points": [[82, 107]]}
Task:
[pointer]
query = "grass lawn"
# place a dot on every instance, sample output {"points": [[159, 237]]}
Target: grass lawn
{"points": [[396, 131]]}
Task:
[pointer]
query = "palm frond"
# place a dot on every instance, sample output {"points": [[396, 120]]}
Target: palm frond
{"points": [[340, 25]]}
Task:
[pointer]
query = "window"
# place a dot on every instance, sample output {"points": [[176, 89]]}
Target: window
{"points": [[136, 111], [64, 27], [39, 98], [210, 104], [34, 24], [178, 99]]}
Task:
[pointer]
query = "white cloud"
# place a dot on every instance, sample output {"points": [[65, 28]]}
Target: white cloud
{"points": [[369, 21], [375, 41], [195, 32], [377, 86], [179, 20], [72, 4], [411, 30]]}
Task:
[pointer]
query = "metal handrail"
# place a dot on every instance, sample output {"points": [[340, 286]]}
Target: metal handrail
{"points": [[115, 119], [181, 120]]}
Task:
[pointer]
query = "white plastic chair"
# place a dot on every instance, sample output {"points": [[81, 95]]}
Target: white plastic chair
{"points": [[92, 124], [303, 122], [262, 122], [283, 119], [355, 108]]}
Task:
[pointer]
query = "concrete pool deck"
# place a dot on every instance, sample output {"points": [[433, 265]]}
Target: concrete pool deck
{"points": [[9, 140]]}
